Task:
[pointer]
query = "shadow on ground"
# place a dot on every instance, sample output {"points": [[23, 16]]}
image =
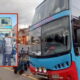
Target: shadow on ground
{"points": [[42, 79]]}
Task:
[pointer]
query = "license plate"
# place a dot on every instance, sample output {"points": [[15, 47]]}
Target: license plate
{"points": [[56, 76]]}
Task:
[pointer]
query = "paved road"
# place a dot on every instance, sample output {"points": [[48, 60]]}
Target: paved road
{"points": [[7, 74]]}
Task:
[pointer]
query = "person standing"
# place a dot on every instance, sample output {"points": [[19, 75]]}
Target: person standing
{"points": [[14, 50], [7, 50]]}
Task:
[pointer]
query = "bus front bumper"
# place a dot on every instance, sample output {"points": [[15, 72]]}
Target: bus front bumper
{"points": [[65, 74]]}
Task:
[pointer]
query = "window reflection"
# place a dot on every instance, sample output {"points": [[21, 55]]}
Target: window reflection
{"points": [[48, 8], [35, 45], [56, 37]]}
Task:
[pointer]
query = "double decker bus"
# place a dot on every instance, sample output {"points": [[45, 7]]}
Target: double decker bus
{"points": [[55, 41]]}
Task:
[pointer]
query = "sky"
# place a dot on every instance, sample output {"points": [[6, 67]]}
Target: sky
{"points": [[24, 8]]}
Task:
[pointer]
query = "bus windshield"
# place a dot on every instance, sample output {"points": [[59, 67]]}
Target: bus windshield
{"points": [[49, 8], [56, 37], [51, 39]]}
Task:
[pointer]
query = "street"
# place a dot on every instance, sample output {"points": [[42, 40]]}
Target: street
{"points": [[9, 75]]}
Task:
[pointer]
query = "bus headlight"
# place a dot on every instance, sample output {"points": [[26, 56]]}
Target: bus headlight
{"points": [[36, 69], [40, 70], [44, 70]]}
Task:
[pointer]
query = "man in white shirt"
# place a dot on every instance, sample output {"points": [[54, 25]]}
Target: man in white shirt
{"points": [[8, 50]]}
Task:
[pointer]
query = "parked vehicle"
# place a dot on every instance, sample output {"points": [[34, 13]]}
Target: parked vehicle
{"points": [[55, 40]]}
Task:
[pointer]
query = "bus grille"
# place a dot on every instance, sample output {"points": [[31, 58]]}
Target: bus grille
{"points": [[62, 65]]}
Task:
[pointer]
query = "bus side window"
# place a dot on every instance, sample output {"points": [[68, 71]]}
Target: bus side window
{"points": [[76, 36], [78, 41]]}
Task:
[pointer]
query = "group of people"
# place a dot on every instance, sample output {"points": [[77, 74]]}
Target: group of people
{"points": [[8, 48]]}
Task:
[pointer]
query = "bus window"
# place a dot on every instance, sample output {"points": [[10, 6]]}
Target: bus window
{"points": [[35, 41], [48, 8], [78, 36], [76, 32], [61, 3], [77, 42], [56, 37]]}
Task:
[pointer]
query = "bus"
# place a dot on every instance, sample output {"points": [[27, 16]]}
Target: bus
{"points": [[55, 40]]}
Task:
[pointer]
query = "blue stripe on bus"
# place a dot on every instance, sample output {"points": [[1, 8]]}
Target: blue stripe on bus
{"points": [[58, 15], [62, 14]]}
